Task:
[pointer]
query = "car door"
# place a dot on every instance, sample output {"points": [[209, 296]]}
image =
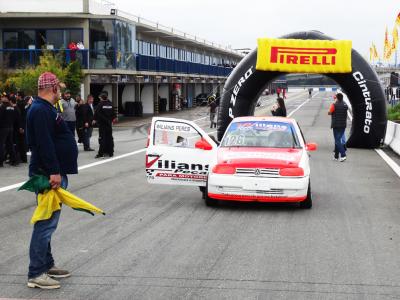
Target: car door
{"points": [[179, 152]]}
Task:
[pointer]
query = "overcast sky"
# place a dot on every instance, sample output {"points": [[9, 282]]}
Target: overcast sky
{"points": [[240, 22]]}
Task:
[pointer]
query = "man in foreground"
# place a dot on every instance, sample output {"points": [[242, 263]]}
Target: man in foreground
{"points": [[54, 154]]}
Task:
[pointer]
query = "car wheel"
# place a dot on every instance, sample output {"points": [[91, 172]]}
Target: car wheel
{"points": [[207, 200], [307, 204]]}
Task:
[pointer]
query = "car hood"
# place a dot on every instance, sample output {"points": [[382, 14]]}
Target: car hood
{"points": [[250, 157]]}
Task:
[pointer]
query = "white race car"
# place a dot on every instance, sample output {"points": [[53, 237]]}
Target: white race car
{"points": [[261, 159]]}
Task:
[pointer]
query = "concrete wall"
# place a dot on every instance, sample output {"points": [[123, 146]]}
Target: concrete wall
{"points": [[392, 138], [128, 94], [147, 97], [163, 91], [198, 89]]}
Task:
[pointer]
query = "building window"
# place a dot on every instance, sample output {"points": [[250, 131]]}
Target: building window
{"points": [[55, 39], [124, 48], [18, 39], [102, 48]]}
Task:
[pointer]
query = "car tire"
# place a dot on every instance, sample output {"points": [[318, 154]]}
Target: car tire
{"points": [[210, 202], [307, 204]]}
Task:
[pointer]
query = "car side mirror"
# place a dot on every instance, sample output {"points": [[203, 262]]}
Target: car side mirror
{"points": [[311, 146], [203, 144]]}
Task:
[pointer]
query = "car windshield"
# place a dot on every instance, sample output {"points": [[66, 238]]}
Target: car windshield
{"points": [[261, 134]]}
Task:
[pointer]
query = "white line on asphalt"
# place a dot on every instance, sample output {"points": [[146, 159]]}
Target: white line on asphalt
{"points": [[104, 161], [305, 102], [100, 162], [200, 119], [391, 163]]}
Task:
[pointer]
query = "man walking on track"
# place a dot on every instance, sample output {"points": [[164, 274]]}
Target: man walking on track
{"points": [[338, 113]]}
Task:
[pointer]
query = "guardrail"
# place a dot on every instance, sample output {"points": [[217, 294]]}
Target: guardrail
{"points": [[17, 58], [159, 64], [392, 138]]}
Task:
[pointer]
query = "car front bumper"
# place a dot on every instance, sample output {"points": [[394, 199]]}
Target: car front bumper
{"points": [[257, 189]]}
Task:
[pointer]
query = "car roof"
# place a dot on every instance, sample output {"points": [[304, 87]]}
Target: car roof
{"points": [[265, 118]]}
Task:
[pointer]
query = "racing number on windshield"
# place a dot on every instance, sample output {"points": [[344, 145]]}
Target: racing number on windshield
{"points": [[235, 140]]}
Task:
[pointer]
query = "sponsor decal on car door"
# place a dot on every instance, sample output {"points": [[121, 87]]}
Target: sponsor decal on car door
{"points": [[179, 152]]}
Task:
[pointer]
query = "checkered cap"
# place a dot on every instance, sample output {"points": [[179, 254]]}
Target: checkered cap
{"points": [[46, 80]]}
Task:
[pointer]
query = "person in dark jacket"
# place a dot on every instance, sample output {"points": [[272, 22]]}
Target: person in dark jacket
{"points": [[279, 110], [104, 116], [88, 115], [79, 112], [17, 128], [7, 121], [54, 154], [338, 113], [212, 103], [22, 105]]}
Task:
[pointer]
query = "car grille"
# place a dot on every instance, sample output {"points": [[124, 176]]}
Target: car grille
{"points": [[270, 192], [251, 172]]}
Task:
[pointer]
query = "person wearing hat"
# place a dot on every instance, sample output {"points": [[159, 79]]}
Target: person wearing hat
{"points": [[104, 116], [7, 121], [68, 110], [54, 153]]}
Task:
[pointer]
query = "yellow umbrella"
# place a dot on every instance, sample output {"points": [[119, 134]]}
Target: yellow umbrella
{"points": [[49, 199], [49, 202]]}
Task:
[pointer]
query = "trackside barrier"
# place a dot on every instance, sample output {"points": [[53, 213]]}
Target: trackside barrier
{"points": [[392, 138]]}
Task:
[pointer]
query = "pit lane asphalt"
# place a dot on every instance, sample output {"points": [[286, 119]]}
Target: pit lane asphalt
{"points": [[162, 242]]}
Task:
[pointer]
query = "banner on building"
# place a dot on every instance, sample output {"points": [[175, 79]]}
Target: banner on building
{"points": [[304, 56]]}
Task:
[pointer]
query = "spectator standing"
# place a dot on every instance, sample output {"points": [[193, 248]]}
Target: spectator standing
{"points": [[338, 113], [68, 111], [104, 116], [79, 112], [392, 95], [55, 154], [310, 92], [212, 103], [279, 109], [17, 128], [7, 120], [23, 105], [88, 114]]}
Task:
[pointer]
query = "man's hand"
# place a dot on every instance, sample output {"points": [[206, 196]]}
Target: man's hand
{"points": [[94, 122], [21, 130], [55, 181], [86, 125]]}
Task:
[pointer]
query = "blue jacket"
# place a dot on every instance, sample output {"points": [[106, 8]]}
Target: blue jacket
{"points": [[52, 144]]}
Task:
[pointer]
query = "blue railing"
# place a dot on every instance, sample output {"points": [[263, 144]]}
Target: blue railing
{"points": [[96, 59], [158, 64], [19, 58]]}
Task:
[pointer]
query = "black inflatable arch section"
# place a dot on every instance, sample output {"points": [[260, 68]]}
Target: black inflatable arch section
{"points": [[244, 86]]}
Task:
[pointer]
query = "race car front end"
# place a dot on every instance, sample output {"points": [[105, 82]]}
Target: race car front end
{"points": [[260, 180]]}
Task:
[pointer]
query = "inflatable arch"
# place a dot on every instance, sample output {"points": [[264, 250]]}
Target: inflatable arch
{"points": [[361, 85]]}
